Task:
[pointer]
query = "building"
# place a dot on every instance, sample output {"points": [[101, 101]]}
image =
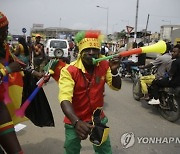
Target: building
{"points": [[175, 38], [52, 32], [166, 32], [155, 37]]}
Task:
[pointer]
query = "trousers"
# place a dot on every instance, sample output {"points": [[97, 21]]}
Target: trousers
{"points": [[72, 143], [145, 82]]}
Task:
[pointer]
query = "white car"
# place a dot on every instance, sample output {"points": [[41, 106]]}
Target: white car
{"points": [[52, 46]]}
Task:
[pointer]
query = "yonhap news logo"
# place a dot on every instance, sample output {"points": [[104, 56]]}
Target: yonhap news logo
{"points": [[128, 140]]}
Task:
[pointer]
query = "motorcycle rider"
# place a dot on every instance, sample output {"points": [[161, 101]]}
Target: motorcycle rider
{"points": [[135, 60], [162, 64], [174, 72], [173, 78]]}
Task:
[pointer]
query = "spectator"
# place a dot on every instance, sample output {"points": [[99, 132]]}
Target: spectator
{"points": [[8, 138], [38, 54]]}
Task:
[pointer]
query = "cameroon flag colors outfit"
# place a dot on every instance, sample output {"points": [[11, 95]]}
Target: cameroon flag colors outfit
{"points": [[15, 88], [85, 92]]}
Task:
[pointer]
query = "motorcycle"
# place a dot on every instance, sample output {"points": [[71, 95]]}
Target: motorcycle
{"points": [[169, 98], [132, 74], [169, 106]]}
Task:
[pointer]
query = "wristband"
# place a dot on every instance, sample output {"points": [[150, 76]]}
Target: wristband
{"points": [[75, 123], [118, 73]]}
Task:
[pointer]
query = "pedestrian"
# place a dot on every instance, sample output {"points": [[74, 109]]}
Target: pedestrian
{"points": [[38, 54], [21, 50], [104, 49], [81, 92], [8, 138]]}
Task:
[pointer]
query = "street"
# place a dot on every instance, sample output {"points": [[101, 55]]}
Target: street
{"points": [[37, 42], [125, 116]]}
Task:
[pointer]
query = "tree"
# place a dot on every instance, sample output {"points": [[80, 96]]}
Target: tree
{"points": [[122, 34]]}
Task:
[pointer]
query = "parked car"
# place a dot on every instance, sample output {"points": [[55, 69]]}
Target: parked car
{"points": [[53, 44]]}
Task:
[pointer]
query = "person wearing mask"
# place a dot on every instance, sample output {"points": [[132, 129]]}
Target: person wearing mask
{"points": [[81, 92]]}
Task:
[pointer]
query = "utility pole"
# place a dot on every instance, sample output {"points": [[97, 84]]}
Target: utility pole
{"points": [[107, 16], [136, 21], [146, 28]]}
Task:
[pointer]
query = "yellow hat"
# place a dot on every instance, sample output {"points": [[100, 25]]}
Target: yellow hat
{"points": [[88, 39], [38, 35], [89, 43], [3, 20]]}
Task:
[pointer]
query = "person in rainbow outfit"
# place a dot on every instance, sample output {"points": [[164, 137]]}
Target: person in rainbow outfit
{"points": [[8, 138], [81, 92]]}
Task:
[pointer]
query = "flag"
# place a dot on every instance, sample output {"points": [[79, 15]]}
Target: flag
{"points": [[56, 66], [38, 111], [15, 84], [57, 70]]}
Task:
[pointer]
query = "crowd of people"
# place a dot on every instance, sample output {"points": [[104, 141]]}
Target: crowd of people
{"points": [[81, 85], [26, 56], [8, 138], [14, 62]]}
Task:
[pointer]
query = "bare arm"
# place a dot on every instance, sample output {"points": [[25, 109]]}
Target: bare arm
{"points": [[82, 128], [67, 109]]}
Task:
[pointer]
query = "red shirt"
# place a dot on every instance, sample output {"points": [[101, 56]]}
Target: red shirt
{"points": [[85, 91]]}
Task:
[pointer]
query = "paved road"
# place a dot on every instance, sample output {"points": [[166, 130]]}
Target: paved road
{"points": [[125, 115]]}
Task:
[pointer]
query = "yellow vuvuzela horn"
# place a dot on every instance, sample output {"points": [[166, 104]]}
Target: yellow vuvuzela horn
{"points": [[159, 47]]}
